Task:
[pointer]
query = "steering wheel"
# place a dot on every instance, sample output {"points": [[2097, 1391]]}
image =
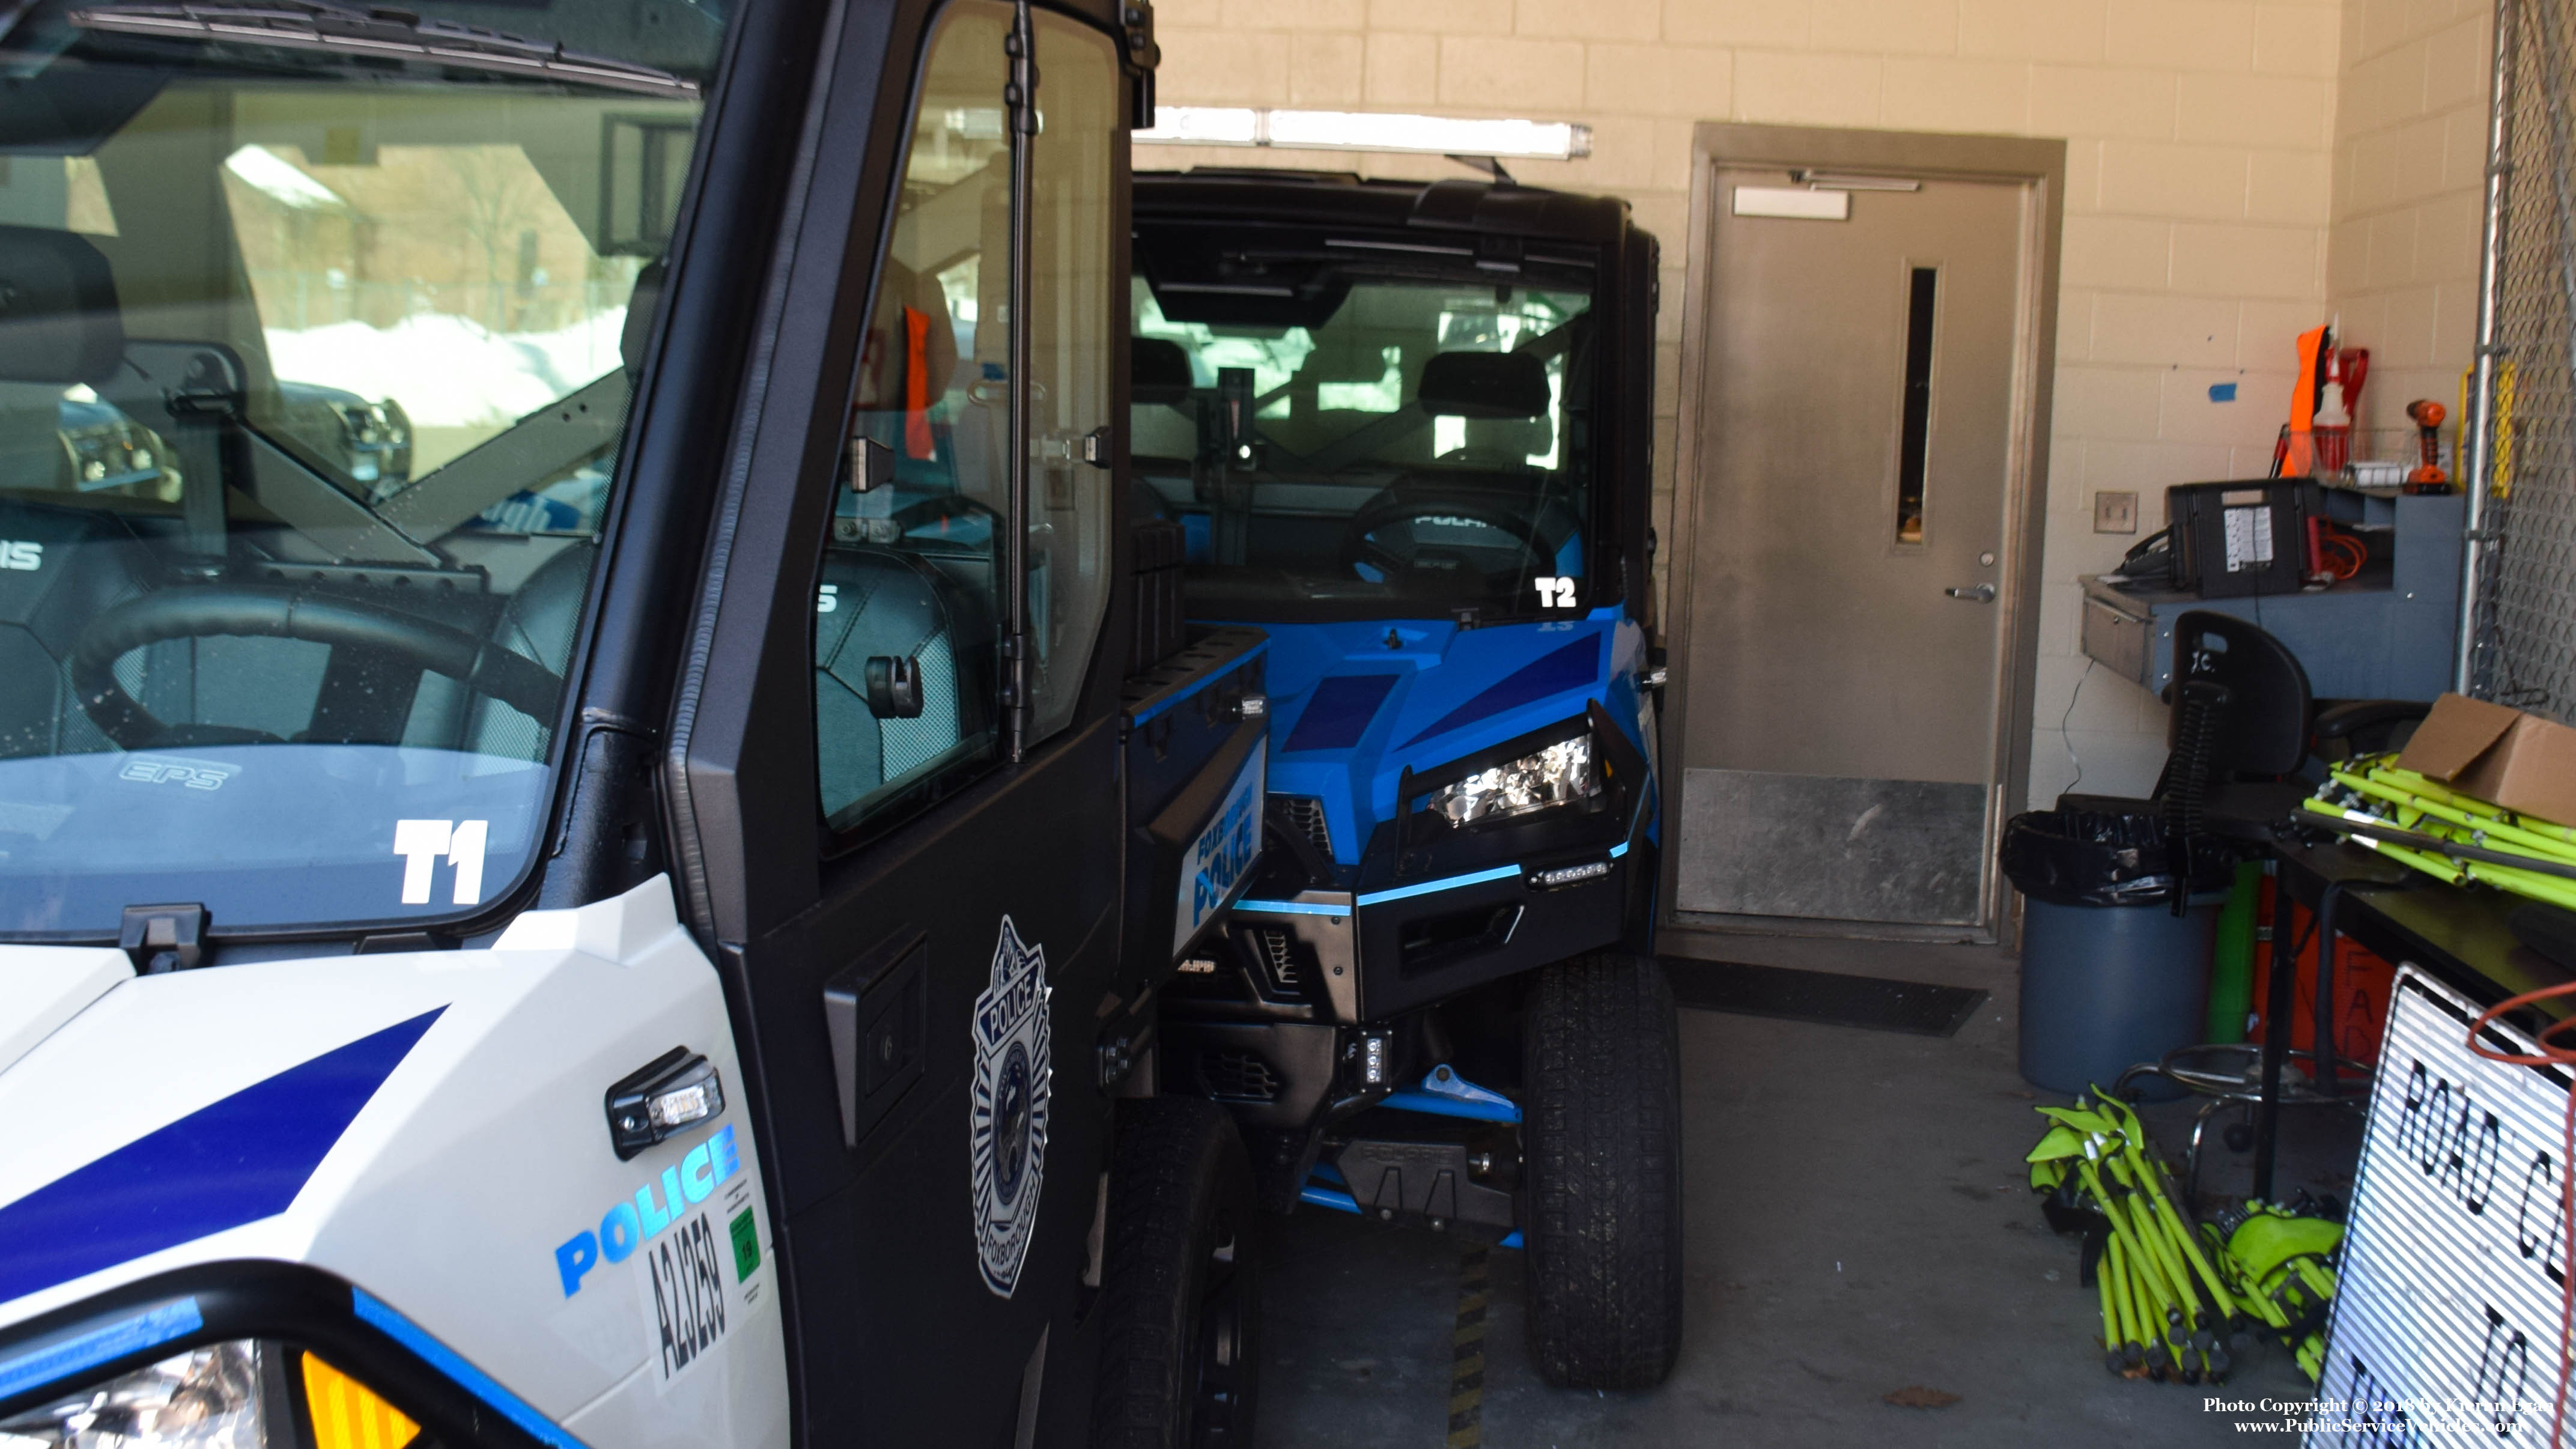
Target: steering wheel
{"points": [[255, 611], [1396, 506]]}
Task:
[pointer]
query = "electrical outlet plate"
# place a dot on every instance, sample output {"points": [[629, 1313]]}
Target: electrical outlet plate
{"points": [[2115, 512]]}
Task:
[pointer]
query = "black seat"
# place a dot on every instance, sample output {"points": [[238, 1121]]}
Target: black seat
{"points": [[1158, 370], [876, 603], [538, 622], [59, 568]]}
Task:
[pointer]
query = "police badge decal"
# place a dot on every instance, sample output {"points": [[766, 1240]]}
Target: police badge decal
{"points": [[1014, 1072]]}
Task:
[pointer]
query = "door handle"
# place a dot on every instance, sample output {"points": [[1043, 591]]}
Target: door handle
{"points": [[1974, 593]]}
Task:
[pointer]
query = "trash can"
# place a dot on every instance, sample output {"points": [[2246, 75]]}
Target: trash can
{"points": [[2110, 976]]}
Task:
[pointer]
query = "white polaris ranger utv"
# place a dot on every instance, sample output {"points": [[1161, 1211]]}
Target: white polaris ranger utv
{"points": [[639, 925]]}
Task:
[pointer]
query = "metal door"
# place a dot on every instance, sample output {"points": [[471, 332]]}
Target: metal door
{"points": [[1848, 581], [920, 929]]}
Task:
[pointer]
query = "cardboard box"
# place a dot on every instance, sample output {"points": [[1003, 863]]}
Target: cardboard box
{"points": [[2519, 761]]}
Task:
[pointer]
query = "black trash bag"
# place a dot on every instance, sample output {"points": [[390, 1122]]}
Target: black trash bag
{"points": [[2075, 858]]}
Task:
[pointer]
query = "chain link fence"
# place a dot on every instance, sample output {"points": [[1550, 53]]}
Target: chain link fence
{"points": [[2524, 610]]}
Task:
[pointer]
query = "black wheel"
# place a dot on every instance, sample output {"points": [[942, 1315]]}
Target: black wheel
{"points": [[1180, 1351], [1602, 1134]]}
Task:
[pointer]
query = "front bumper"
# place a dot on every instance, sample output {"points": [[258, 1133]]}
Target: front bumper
{"points": [[1398, 943]]}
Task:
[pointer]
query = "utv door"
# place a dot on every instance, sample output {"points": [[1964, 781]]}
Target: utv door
{"points": [[918, 929]]}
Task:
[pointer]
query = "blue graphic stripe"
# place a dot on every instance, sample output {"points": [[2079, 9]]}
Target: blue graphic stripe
{"points": [[1450, 884], [1255, 652], [1445, 883], [1433, 1104], [233, 1162], [1576, 666], [1290, 908], [1325, 1197], [149, 1329], [381, 1315], [1339, 712]]}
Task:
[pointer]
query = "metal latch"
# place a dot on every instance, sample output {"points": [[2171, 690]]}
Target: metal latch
{"points": [[894, 686], [871, 465]]}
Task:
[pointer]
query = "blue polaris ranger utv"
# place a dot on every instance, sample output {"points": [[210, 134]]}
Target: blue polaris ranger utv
{"points": [[1405, 431]]}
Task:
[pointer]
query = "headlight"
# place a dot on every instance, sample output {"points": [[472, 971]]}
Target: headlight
{"points": [[210, 1398], [205, 1398], [110, 455], [1557, 775]]}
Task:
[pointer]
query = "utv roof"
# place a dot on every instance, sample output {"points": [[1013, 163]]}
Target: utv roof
{"points": [[1338, 198]]}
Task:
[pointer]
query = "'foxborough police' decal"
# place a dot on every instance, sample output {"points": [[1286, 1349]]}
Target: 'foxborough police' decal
{"points": [[1219, 862], [1014, 1072]]}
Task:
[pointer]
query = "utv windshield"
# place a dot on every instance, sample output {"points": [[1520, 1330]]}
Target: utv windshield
{"points": [[1347, 428], [312, 381]]}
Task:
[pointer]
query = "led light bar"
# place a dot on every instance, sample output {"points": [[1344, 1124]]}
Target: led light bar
{"points": [[1565, 875], [1366, 131]]}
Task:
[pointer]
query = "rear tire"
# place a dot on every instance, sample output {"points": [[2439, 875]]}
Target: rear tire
{"points": [[1602, 1135], [1180, 1282]]}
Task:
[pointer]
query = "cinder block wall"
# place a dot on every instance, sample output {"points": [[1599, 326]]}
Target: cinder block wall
{"points": [[2202, 147], [2410, 162]]}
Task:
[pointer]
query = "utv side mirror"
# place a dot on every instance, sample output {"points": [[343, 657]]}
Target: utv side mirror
{"points": [[894, 686]]}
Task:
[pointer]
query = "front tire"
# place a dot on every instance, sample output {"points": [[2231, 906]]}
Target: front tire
{"points": [[1602, 1135], [1180, 1280]]}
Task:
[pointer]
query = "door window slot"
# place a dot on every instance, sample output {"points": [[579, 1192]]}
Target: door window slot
{"points": [[1922, 310]]}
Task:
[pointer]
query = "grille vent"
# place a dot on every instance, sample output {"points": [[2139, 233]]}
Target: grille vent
{"points": [[1304, 814], [1279, 958], [1232, 1075]]}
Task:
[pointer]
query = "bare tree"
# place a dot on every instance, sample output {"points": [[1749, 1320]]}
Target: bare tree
{"points": [[497, 190]]}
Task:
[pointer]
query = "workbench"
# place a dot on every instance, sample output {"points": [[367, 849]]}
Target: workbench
{"points": [[2456, 934], [2386, 633]]}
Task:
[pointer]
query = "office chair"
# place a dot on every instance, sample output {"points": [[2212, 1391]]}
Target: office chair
{"points": [[2243, 724], [2237, 736]]}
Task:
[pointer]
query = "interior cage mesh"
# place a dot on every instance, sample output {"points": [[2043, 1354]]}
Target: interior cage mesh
{"points": [[2526, 604]]}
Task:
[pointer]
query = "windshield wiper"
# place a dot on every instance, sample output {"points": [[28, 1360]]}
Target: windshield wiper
{"points": [[384, 33]]}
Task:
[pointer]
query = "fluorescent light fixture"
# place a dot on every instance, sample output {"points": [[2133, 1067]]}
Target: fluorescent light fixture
{"points": [[1205, 126], [1366, 131]]}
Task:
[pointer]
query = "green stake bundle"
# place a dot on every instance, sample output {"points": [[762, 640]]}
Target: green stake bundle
{"points": [[2462, 839], [2178, 1300]]}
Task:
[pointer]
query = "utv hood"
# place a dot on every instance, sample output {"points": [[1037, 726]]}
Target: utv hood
{"points": [[1357, 704]]}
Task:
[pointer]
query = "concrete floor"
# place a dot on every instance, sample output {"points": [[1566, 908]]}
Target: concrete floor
{"points": [[1859, 1221]]}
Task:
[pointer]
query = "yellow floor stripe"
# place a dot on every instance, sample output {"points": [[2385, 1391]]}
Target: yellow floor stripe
{"points": [[1467, 1354]]}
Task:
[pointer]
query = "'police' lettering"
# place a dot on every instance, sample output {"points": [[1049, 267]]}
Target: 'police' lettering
{"points": [[631, 1225], [697, 1174], [574, 1259], [618, 1234]]}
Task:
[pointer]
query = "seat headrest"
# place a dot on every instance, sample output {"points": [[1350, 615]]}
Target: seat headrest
{"points": [[1158, 370], [641, 304], [1485, 385], [58, 317]]}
